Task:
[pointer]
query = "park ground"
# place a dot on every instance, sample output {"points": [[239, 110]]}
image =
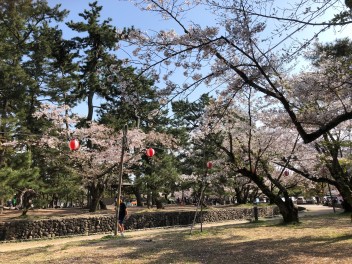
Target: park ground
{"points": [[321, 237]]}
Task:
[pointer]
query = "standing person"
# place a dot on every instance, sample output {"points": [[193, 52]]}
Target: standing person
{"points": [[122, 215]]}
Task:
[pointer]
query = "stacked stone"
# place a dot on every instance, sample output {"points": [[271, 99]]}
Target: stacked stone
{"points": [[60, 227]]}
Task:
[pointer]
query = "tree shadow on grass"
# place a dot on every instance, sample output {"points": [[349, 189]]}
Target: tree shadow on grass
{"points": [[212, 247]]}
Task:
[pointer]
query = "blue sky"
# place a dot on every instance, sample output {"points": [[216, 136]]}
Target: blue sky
{"points": [[124, 14]]}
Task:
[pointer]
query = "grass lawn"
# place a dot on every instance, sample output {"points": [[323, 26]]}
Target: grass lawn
{"points": [[319, 239]]}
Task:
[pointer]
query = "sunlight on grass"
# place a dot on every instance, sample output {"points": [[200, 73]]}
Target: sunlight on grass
{"points": [[111, 237], [198, 233], [310, 241]]}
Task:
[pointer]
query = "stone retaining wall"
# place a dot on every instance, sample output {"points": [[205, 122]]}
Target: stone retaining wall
{"points": [[49, 228]]}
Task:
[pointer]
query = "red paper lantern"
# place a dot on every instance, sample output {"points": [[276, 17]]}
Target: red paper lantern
{"points": [[209, 164], [74, 144], [150, 152], [286, 173]]}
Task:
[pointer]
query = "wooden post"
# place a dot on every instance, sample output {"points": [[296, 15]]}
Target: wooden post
{"points": [[124, 144], [255, 212]]}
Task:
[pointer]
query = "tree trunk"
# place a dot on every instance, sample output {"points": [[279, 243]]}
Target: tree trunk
{"points": [[90, 106], [239, 197], [26, 200], [156, 201], [149, 199], [159, 204], [89, 199], [138, 195], [102, 205], [346, 206], [94, 203], [139, 199], [345, 191], [1, 205], [96, 193], [288, 211]]}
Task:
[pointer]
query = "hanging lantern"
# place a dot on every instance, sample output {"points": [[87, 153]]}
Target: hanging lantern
{"points": [[209, 164], [286, 173], [150, 152], [74, 144]]}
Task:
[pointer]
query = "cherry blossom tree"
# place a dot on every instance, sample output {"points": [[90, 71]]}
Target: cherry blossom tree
{"points": [[195, 151], [326, 161], [241, 52], [248, 148], [235, 53], [96, 161], [318, 94]]}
